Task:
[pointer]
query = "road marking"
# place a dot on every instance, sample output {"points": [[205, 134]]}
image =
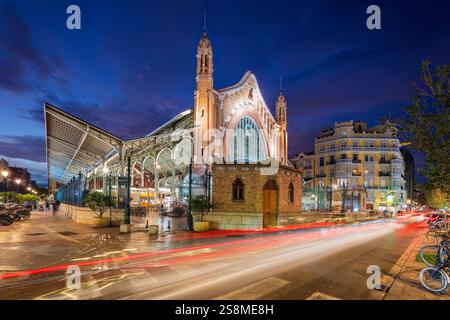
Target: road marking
{"points": [[321, 296], [184, 271], [255, 290]]}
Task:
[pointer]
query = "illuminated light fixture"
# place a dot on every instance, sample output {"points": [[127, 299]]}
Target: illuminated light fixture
{"points": [[18, 181], [28, 188], [5, 173], [105, 170]]}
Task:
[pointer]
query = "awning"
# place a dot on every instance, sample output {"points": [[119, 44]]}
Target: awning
{"points": [[73, 145]]}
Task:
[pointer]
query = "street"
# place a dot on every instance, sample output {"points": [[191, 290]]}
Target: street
{"points": [[294, 264]]}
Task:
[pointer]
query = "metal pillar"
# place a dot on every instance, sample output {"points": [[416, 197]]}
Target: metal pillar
{"points": [[190, 222], [128, 208]]}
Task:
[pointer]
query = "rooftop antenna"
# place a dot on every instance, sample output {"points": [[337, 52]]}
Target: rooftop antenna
{"points": [[204, 21]]}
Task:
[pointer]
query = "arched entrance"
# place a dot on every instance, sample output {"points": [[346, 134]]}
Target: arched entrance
{"points": [[270, 204]]}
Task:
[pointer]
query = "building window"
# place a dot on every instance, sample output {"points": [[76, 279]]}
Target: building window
{"points": [[291, 193], [322, 148], [247, 144], [321, 162], [355, 144], [238, 189], [344, 144], [332, 160], [202, 114], [332, 146], [383, 144], [344, 156]]}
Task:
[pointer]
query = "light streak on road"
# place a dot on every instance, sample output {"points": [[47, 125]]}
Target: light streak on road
{"points": [[246, 245]]}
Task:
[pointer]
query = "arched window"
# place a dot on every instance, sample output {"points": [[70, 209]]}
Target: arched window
{"points": [[238, 189], [291, 192], [247, 144]]}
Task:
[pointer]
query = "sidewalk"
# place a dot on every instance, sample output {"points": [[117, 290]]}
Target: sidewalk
{"points": [[405, 284]]}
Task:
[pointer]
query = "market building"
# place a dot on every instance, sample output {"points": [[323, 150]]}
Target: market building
{"points": [[230, 136]]}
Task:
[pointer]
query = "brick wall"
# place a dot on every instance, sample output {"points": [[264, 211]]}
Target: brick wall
{"points": [[224, 176]]}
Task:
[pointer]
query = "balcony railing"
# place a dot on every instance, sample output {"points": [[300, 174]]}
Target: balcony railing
{"points": [[321, 175], [384, 174], [307, 167], [343, 161], [385, 162], [356, 161], [356, 174]]}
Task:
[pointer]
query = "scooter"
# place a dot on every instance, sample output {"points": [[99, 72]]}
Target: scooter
{"points": [[5, 218]]}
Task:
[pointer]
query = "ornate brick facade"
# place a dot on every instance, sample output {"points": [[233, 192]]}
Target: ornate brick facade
{"points": [[249, 211]]}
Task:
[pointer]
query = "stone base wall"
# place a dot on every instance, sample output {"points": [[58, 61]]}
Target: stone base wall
{"points": [[232, 220], [223, 176], [87, 216]]}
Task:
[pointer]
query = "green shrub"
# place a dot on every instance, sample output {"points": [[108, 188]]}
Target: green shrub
{"points": [[98, 202], [201, 204]]}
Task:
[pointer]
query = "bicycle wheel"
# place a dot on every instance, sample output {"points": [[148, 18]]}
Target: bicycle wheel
{"points": [[434, 279], [429, 255]]}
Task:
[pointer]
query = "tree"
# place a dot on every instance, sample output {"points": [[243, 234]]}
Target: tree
{"points": [[98, 202], [201, 204], [436, 199], [426, 125]]}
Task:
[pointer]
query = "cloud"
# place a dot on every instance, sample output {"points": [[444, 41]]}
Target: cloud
{"points": [[20, 60], [23, 147], [129, 117]]}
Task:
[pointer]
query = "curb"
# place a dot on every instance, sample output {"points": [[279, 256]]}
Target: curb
{"points": [[389, 279]]}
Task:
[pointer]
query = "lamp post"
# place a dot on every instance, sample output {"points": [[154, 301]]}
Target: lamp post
{"points": [[4, 174], [108, 173], [190, 221], [344, 197], [408, 202], [18, 181]]}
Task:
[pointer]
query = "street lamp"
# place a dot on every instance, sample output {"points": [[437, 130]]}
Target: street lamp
{"points": [[18, 181], [408, 202]]}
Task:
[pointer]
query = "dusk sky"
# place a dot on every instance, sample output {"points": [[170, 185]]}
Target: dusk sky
{"points": [[132, 65]]}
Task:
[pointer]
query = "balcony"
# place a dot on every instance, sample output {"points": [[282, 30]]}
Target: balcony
{"points": [[331, 163], [307, 167], [321, 175], [356, 161], [338, 161], [307, 179], [385, 162], [384, 174], [356, 174]]}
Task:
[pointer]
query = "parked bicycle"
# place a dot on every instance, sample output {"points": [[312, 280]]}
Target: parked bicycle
{"points": [[435, 277]]}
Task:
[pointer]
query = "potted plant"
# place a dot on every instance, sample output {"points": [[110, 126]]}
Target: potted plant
{"points": [[98, 203], [202, 205]]}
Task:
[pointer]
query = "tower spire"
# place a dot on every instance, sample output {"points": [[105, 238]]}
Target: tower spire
{"points": [[281, 85], [204, 20]]}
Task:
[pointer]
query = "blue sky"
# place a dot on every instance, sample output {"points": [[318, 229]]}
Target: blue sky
{"points": [[132, 65]]}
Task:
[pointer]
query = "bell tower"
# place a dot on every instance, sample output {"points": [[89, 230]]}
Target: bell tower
{"points": [[205, 98], [280, 117]]}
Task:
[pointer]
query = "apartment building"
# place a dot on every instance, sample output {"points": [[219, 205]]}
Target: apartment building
{"points": [[356, 168]]}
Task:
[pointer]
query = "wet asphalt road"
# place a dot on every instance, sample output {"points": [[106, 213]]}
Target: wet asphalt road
{"points": [[286, 265]]}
